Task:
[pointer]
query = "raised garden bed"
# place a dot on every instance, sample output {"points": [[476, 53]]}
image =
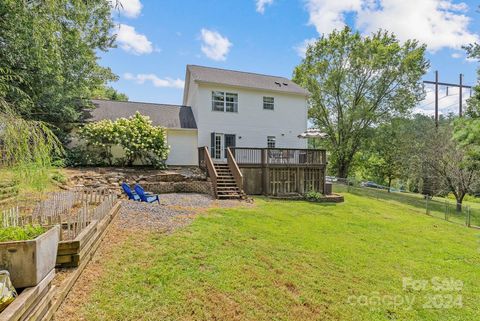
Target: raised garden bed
{"points": [[72, 252], [318, 198], [29, 261], [88, 227], [32, 303]]}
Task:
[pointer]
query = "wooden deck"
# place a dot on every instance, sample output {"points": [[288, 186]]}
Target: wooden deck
{"points": [[276, 171], [281, 171]]}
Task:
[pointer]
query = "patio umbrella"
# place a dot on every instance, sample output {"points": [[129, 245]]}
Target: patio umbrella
{"points": [[314, 134]]}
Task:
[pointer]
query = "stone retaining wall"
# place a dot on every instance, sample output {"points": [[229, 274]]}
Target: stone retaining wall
{"points": [[201, 187], [172, 180]]}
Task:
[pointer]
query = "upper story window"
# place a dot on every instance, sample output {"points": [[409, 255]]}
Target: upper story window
{"points": [[271, 141], [226, 102], [268, 103]]}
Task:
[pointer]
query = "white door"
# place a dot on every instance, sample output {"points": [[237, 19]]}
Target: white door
{"points": [[219, 146]]}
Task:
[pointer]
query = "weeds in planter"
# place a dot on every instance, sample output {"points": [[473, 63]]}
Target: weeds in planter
{"points": [[17, 233]]}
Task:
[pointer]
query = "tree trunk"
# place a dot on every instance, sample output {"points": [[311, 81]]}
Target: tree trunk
{"points": [[342, 171], [389, 183], [459, 202]]}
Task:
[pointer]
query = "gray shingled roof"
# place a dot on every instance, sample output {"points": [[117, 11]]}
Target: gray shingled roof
{"points": [[169, 116], [244, 79]]}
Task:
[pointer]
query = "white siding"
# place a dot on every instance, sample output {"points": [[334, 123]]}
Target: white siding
{"points": [[252, 124], [183, 147]]}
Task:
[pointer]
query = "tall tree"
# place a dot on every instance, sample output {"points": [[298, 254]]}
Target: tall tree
{"points": [[385, 156], [52, 46], [110, 93], [450, 163], [467, 129], [358, 82]]}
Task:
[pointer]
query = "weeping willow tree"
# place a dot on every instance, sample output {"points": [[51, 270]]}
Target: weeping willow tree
{"points": [[24, 143]]}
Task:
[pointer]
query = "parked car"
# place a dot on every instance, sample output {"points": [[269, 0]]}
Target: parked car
{"points": [[331, 179], [370, 184]]}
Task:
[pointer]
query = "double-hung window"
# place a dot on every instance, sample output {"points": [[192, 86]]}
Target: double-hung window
{"points": [[226, 102], [268, 103], [271, 141]]}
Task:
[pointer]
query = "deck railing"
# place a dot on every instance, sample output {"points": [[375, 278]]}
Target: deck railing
{"points": [[234, 169], [205, 162], [279, 156]]}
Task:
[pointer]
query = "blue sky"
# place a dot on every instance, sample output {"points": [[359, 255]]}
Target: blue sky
{"points": [[157, 39]]}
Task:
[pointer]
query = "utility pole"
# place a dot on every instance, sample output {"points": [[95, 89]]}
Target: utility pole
{"points": [[460, 95], [460, 87], [436, 98]]}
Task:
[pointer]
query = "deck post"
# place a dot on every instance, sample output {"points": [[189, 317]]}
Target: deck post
{"points": [[265, 172]]}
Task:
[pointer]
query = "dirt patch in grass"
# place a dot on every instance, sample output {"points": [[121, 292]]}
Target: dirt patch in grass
{"points": [[69, 310]]}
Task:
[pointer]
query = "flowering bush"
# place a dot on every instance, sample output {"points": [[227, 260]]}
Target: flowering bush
{"points": [[100, 137], [137, 136]]}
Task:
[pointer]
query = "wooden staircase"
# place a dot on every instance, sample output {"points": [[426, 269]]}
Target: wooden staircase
{"points": [[227, 187]]}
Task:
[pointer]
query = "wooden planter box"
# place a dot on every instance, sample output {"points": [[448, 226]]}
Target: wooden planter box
{"points": [[32, 304], [71, 253], [30, 261]]}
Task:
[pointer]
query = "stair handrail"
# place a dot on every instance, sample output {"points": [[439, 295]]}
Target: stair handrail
{"points": [[212, 172], [234, 169]]}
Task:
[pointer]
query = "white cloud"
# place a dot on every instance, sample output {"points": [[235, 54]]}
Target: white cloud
{"points": [[128, 8], [261, 4], [155, 80], [301, 48], [456, 55], [438, 23], [327, 15], [133, 42], [214, 45], [446, 104]]}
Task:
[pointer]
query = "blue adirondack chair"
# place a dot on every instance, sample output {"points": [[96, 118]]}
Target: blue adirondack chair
{"points": [[131, 195], [144, 196]]}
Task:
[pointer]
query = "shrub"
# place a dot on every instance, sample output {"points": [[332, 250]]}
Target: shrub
{"points": [[100, 137], [137, 136], [313, 196]]}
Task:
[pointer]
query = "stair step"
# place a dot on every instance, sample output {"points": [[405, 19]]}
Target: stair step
{"points": [[228, 193], [229, 197]]}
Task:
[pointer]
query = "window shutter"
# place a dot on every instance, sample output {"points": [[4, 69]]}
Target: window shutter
{"points": [[212, 144]]}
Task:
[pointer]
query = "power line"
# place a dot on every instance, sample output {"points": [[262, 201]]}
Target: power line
{"points": [[425, 105], [460, 93]]}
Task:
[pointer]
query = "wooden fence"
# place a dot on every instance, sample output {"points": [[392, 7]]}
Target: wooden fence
{"points": [[72, 210]]}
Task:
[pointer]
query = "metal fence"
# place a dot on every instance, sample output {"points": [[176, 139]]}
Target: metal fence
{"points": [[72, 210], [467, 214]]}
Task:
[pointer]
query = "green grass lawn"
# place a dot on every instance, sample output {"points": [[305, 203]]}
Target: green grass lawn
{"points": [[438, 207], [295, 260]]}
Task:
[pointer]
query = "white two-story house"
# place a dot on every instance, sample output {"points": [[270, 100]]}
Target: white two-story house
{"points": [[223, 108]]}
